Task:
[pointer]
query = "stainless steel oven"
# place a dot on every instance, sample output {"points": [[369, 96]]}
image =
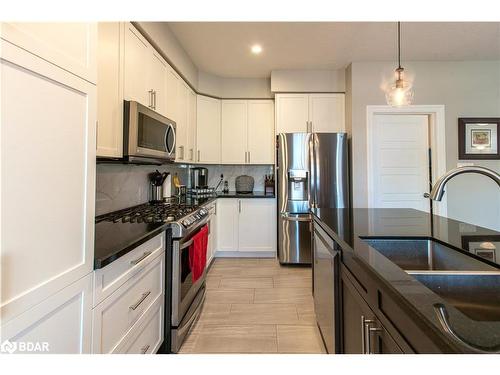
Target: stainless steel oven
{"points": [[148, 137], [187, 297]]}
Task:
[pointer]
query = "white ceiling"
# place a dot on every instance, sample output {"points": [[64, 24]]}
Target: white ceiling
{"points": [[223, 48]]}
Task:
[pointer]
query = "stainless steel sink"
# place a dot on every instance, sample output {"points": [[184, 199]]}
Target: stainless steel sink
{"points": [[476, 294], [426, 255]]}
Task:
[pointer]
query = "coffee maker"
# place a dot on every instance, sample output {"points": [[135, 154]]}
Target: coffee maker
{"points": [[199, 178]]}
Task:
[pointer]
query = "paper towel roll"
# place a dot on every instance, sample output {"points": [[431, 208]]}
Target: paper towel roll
{"points": [[167, 187]]}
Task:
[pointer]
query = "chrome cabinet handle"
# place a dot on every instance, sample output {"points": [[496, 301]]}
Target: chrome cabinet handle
{"points": [[248, 156], [442, 316], [150, 98], [181, 148], [426, 195], [144, 349], [239, 206], [141, 300], [369, 338], [365, 324], [191, 154], [199, 157], [154, 99], [141, 258]]}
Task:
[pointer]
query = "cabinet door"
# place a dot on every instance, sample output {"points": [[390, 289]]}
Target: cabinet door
{"points": [[137, 57], [355, 313], [227, 224], [181, 153], [326, 112], [234, 132], [208, 130], [69, 45], [191, 133], [48, 128], [172, 95], [292, 113], [260, 132], [110, 89], [157, 82], [61, 324], [257, 225]]}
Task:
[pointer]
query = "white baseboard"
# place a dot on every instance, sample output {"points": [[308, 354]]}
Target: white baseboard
{"points": [[245, 254]]}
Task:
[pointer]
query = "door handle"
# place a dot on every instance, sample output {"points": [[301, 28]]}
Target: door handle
{"points": [[245, 157], [239, 205], [154, 99], [199, 157], [427, 195], [191, 154], [141, 300], [248, 156], [144, 349]]}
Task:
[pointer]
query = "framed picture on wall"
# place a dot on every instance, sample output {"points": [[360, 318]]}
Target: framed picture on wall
{"points": [[487, 247], [479, 138]]}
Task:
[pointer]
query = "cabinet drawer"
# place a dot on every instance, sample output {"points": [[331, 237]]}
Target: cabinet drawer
{"points": [[117, 314], [111, 277], [147, 335]]}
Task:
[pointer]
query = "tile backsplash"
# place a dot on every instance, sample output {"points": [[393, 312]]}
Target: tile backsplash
{"points": [[124, 185], [230, 173]]}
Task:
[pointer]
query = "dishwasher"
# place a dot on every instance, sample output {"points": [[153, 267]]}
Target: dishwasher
{"points": [[326, 257]]}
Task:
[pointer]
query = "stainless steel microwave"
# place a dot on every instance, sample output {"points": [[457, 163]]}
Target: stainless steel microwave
{"points": [[148, 137]]}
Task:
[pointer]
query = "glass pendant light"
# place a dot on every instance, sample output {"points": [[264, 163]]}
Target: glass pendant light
{"points": [[401, 92]]}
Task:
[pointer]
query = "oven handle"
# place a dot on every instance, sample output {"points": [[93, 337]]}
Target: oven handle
{"points": [[187, 244], [170, 128]]}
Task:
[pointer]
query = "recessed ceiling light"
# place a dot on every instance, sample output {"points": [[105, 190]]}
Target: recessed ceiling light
{"points": [[256, 49]]}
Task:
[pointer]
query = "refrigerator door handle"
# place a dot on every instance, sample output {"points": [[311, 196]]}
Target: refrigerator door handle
{"points": [[296, 217], [312, 173]]}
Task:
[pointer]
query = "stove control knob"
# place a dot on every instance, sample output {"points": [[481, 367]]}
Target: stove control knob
{"points": [[185, 223]]}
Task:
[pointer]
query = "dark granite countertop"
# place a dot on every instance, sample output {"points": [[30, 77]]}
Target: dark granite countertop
{"points": [[347, 227], [255, 194], [113, 240]]}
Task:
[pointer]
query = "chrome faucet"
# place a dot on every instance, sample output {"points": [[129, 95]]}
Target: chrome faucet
{"points": [[438, 188]]}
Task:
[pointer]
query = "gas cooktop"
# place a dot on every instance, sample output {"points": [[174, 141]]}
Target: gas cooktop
{"points": [[118, 231]]}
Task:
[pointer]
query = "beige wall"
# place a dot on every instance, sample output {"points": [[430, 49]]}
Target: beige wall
{"points": [[163, 39], [234, 87], [308, 80], [466, 89]]}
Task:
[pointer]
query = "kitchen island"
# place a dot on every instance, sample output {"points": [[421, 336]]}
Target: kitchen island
{"points": [[449, 303]]}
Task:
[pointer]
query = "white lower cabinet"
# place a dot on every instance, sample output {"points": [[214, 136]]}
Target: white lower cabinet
{"points": [[61, 324], [212, 233], [117, 316], [246, 227]]}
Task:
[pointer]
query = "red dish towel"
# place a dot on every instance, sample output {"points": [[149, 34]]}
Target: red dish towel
{"points": [[198, 253]]}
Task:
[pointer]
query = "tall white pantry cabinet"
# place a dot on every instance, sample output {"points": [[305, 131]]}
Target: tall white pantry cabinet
{"points": [[48, 143]]}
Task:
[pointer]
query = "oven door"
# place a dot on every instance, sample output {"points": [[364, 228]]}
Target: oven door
{"points": [[147, 134], [184, 290]]}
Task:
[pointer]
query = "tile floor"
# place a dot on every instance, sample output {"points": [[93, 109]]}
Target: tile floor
{"points": [[256, 306]]}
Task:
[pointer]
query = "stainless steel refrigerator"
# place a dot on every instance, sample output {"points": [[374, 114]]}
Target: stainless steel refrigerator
{"points": [[312, 172]]}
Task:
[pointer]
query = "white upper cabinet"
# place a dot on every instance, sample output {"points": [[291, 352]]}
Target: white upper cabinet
{"points": [[172, 95], [50, 137], [247, 132], [326, 113], [136, 59], [69, 45], [182, 154], [191, 133], [208, 130], [292, 113], [260, 132], [158, 82], [310, 113], [234, 131], [110, 89]]}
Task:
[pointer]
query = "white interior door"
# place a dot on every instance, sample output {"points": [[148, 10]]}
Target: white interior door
{"points": [[400, 161]]}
